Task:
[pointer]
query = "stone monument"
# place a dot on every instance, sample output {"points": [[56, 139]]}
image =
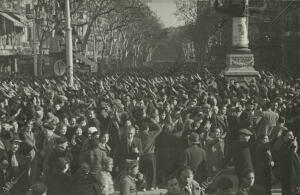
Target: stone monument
{"points": [[240, 60]]}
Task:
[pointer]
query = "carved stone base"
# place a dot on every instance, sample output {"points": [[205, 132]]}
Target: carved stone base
{"points": [[240, 67]]}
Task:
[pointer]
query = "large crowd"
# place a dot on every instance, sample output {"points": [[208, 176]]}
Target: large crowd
{"points": [[138, 131]]}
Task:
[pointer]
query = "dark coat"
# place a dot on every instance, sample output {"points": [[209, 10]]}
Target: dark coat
{"points": [[195, 157], [166, 152], [254, 190], [127, 185], [124, 151], [263, 169], [23, 183], [59, 184], [195, 190], [55, 155], [240, 152], [86, 186], [95, 158], [289, 168], [148, 139]]}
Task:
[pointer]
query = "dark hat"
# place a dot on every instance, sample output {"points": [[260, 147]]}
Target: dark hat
{"points": [[84, 168], [16, 140], [50, 125], [245, 132], [38, 188], [206, 106], [4, 164], [61, 140], [194, 138], [61, 163], [130, 164]]}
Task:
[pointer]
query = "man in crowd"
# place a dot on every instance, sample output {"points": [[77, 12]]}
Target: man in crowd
{"points": [[188, 185], [195, 157], [172, 185], [241, 155]]}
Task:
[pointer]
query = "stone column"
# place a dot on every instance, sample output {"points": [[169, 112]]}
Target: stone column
{"points": [[240, 61]]}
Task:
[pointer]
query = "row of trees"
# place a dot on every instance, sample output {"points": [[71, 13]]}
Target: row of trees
{"points": [[125, 31], [204, 27]]}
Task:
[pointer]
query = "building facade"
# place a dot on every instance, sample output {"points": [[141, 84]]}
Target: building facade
{"points": [[15, 34]]}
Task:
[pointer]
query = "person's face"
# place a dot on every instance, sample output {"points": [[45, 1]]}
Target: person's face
{"points": [[63, 146], [275, 106], [164, 97], [250, 107], [232, 82], [109, 166], [83, 123], [57, 107], [194, 102], [135, 170], [236, 84], [91, 114], [265, 140], [16, 126], [224, 110], [217, 133], [173, 186], [15, 147], [103, 189], [73, 122], [249, 180], [63, 130], [141, 103], [163, 116], [79, 131], [215, 110], [207, 125], [187, 177], [197, 125], [290, 135], [104, 138], [130, 134], [174, 102], [144, 113], [65, 121], [2, 105], [128, 123], [128, 98], [246, 137], [133, 101]]}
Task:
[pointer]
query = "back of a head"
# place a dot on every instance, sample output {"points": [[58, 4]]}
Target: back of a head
{"points": [[39, 189], [225, 183]]}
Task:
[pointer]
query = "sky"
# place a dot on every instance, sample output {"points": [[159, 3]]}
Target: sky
{"points": [[165, 10]]}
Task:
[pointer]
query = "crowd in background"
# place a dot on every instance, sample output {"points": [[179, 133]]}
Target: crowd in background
{"points": [[137, 131]]}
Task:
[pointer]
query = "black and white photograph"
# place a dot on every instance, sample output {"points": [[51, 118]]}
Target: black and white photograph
{"points": [[149, 97]]}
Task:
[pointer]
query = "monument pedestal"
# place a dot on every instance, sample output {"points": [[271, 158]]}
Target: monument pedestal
{"points": [[240, 67]]}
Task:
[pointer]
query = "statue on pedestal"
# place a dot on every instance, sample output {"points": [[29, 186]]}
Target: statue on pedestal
{"points": [[240, 61]]}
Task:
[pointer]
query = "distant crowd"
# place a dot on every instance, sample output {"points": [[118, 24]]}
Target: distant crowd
{"points": [[143, 130]]}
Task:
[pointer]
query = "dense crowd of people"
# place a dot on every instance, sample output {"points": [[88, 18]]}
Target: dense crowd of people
{"points": [[137, 131]]}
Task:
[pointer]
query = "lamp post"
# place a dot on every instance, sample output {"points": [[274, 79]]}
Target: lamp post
{"points": [[34, 42], [69, 46]]}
